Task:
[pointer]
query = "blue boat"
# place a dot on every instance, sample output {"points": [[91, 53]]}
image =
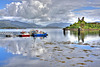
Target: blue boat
{"points": [[40, 35]]}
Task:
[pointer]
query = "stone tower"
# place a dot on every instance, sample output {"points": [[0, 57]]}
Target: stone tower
{"points": [[82, 19]]}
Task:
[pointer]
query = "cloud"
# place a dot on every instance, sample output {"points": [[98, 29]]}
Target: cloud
{"points": [[47, 11]]}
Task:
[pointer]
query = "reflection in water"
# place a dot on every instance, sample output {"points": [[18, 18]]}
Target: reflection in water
{"points": [[64, 32], [58, 55], [52, 51], [24, 46], [82, 35]]}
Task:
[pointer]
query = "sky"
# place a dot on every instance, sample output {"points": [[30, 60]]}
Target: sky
{"points": [[3, 3], [49, 11]]}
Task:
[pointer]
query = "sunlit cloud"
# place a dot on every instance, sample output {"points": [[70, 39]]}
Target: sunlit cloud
{"points": [[49, 11]]}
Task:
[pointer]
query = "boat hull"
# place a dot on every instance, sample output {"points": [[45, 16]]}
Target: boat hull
{"points": [[40, 35], [24, 35]]}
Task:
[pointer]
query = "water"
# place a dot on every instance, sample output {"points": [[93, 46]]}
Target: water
{"points": [[58, 49]]}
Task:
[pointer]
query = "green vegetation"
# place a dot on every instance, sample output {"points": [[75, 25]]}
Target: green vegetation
{"points": [[84, 25]]}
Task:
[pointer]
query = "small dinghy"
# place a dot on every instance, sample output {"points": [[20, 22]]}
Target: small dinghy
{"points": [[40, 35], [23, 35]]}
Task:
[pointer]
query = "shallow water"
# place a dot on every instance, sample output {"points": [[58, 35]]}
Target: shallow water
{"points": [[58, 49]]}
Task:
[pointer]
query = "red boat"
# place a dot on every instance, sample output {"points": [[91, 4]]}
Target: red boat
{"points": [[24, 35]]}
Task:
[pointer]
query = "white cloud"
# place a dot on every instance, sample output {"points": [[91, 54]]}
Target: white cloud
{"points": [[46, 11]]}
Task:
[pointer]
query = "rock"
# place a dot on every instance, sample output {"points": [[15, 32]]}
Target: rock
{"points": [[92, 46], [81, 63], [68, 42], [87, 51], [72, 48], [88, 61], [63, 61], [86, 44], [49, 43], [80, 43], [59, 50], [73, 43], [37, 55], [81, 57], [68, 58]]}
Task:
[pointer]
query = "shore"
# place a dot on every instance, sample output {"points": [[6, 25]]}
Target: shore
{"points": [[83, 29]]}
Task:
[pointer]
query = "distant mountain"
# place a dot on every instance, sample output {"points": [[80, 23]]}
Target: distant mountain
{"points": [[7, 23], [18, 24], [58, 25]]}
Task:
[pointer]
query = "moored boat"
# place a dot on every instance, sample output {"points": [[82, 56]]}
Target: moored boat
{"points": [[40, 35], [32, 33]]}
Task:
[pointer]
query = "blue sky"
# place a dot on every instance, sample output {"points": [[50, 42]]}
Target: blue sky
{"points": [[86, 8], [3, 3]]}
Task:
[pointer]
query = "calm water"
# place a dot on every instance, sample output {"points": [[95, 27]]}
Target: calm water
{"points": [[58, 49]]}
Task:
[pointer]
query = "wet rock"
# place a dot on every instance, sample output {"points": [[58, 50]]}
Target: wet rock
{"points": [[60, 61], [72, 48], [92, 46], [56, 47], [59, 50], [80, 57], [95, 55], [81, 63], [37, 55], [49, 43], [68, 42], [41, 59], [63, 61], [68, 58], [73, 43], [86, 51], [80, 43], [45, 60], [88, 61], [86, 44]]}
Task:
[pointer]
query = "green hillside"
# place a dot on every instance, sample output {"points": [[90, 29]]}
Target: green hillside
{"points": [[84, 25]]}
